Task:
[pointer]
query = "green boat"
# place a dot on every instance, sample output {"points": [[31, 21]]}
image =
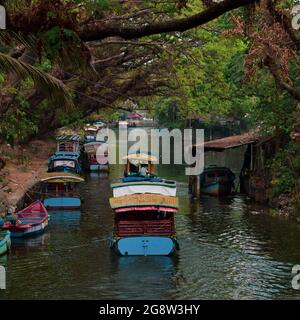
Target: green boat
{"points": [[4, 241]]}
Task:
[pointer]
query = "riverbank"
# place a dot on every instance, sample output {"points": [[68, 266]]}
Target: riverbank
{"points": [[22, 170]]}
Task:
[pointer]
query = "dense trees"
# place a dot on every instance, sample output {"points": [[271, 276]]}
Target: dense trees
{"points": [[241, 63]]}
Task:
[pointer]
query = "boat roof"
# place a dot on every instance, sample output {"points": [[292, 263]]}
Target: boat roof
{"points": [[141, 156], [147, 199], [61, 177], [65, 155], [211, 168], [72, 138], [170, 184], [91, 128]]}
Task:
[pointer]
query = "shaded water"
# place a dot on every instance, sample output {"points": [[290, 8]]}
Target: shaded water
{"points": [[230, 249]]}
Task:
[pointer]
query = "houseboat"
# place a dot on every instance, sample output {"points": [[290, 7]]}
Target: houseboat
{"points": [[217, 181], [60, 191], [94, 161], [64, 161], [144, 224]]}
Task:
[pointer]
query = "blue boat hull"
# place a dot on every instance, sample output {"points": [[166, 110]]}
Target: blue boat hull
{"points": [[98, 167], [145, 246], [62, 203], [216, 188]]}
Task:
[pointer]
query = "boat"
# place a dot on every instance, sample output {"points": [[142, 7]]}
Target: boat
{"points": [[94, 162], [5, 241], [60, 191], [144, 224], [29, 221], [63, 161], [68, 143], [90, 133], [217, 181]]}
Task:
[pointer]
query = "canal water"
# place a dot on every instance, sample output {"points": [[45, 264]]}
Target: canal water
{"points": [[229, 249]]}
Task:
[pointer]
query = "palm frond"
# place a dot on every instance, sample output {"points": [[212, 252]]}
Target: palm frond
{"points": [[54, 89]]}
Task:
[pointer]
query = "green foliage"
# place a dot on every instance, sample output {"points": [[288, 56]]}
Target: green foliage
{"points": [[285, 170], [16, 126]]}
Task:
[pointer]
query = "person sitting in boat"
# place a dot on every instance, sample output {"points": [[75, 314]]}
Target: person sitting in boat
{"points": [[143, 172]]}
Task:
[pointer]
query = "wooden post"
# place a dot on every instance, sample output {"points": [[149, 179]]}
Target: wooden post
{"points": [[197, 186], [194, 185]]}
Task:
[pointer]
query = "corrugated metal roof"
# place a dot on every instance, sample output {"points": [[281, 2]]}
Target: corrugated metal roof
{"points": [[230, 142]]}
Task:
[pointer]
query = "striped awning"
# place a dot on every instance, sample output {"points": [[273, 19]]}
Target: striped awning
{"points": [[74, 138]]}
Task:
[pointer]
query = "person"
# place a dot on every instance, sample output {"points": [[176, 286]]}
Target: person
{"points": [[143, 171]]}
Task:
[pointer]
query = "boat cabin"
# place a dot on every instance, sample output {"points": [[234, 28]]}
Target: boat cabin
{"points": [[68, 143], [144, 214], [65, 162], [144, 221]]}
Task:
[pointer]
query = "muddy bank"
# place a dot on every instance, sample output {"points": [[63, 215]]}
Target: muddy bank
{"points": [[22, 169]]}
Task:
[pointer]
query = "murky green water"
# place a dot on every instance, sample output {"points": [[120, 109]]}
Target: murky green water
{"points": [[229, 250]]}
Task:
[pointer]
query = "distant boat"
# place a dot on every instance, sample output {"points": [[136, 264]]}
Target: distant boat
{"points": [[29, 221], [5, 241], [60, 191], [217, 181], [92, 161], [65, 162], [90, 133]]}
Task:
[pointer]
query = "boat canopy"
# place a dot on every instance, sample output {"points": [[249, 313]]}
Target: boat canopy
{"points": [[170, 184], [145, 208], [91, 128], [61, 177], [147, 199], [65, 138], [142, 157]]}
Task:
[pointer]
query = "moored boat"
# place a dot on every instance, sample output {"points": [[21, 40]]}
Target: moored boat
{"points": [[93, 161], [60, 191], [144, 224], [90, 133], [63, 161], [31, 220], [217, 181]]}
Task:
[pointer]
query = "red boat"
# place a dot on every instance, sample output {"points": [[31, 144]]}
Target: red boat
{"points": [[29, 221]]}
